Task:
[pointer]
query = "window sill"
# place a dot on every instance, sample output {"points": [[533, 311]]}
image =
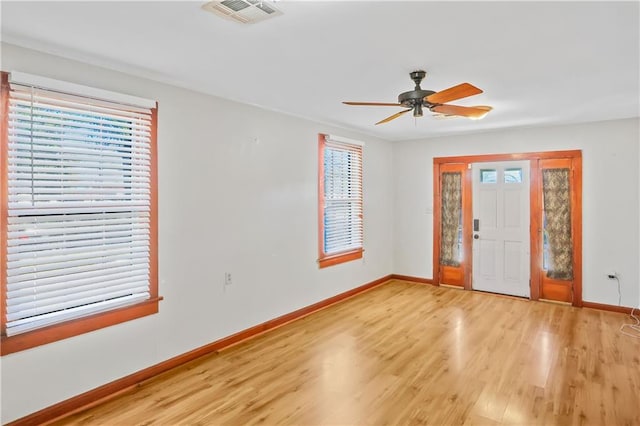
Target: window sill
{"points": [[340, 258], [53, 333]]}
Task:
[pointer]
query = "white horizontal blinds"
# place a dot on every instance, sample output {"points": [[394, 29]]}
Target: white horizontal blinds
{"points": [[78, 237], [342, 197]]}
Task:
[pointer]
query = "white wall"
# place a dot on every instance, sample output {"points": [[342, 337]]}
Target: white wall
{"points": [[610, 197], [237, 193]]}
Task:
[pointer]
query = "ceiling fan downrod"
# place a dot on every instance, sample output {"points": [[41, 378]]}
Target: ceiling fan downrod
{"points": [[417, 77]]}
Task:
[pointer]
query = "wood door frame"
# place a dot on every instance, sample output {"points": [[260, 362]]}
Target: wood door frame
{"points": [[456, 276], [535, 214]]}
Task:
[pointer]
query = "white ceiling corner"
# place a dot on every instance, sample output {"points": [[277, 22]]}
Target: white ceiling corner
{"points": [[538, 63]]}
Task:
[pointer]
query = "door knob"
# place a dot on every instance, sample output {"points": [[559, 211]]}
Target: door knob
{"points": [[476, 236]]}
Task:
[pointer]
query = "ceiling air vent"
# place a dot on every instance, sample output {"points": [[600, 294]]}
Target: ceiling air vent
{"points": [[243, 11]]}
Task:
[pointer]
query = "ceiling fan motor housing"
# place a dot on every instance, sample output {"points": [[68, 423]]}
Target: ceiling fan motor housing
{"points": [[415, 97]]}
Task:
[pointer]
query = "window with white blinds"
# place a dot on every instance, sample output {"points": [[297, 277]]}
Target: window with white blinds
{"points": [[341, 197], [79, 206]]}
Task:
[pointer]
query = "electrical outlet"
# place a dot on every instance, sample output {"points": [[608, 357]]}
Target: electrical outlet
{"points": [[612, 275], [227, 278]]}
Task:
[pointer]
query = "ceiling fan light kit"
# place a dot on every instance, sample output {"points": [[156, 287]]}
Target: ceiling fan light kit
{"points": [[414, 100]]}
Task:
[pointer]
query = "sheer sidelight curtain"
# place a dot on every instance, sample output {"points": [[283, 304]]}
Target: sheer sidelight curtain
{"points": [[451, 208], [557, 224]]}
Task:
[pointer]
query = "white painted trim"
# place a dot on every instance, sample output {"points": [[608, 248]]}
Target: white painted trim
{"points": [[340, 139], [17, 77]]}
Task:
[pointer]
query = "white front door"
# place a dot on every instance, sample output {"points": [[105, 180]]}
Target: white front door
{"points": [[501, 239]]}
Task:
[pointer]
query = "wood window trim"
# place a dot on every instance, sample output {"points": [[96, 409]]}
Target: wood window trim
{"points": [[325, 260], [4, 201], [536, 204], [94, 322], [336, 259]]}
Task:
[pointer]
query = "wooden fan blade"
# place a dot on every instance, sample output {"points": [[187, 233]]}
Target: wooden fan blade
{"points": [[371, 104], [471, 112], [393, 117], [452, 93]]}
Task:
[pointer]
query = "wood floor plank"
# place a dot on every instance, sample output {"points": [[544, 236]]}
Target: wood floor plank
{"points": [[405, 354]]}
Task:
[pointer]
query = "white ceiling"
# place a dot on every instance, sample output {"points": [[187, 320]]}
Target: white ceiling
{"points": [[538, 63]]}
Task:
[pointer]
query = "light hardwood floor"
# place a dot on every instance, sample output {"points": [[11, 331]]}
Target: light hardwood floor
{"points": [[404, 354]]}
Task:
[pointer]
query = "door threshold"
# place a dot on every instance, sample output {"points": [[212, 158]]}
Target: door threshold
{"points": [[457, 287], [556, 302], [511, 296]]}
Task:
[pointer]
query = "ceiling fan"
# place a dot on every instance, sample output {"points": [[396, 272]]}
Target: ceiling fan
{"points": [[417, 98]]}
